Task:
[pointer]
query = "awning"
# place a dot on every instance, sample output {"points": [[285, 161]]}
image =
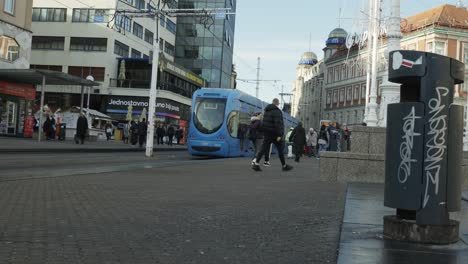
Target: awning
{"points": [[95, 113], [29, 76]]}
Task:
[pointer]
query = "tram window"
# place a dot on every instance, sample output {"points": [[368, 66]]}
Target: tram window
{"points": [[209, 114], [238, 122]]}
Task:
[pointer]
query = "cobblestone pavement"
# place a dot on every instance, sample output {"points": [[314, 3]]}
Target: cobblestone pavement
{"points": [[198, 211]]}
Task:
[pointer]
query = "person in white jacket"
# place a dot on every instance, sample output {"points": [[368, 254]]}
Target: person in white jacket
{"points": [[312, 142]]}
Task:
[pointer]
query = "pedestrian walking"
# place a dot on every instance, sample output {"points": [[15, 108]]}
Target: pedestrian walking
{"points": [[323, 140], [298, 138], [178, 135], [160, 132], [133, 133], [81, 128], [142, 129], [49, 128], [255, 132], [312, 142], [273, 129], [108, 131], [170, 135], [289, 146], [333, 137], [126, 132]]}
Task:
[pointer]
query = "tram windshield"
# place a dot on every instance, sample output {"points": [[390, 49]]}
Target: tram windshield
{"points": [[209, 114]]}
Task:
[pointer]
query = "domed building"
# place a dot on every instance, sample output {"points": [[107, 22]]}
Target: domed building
{"points": [[308, 58], [336, 38], [305, 104]]}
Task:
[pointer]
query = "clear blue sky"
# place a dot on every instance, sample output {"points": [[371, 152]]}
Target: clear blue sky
{"points": [[279, 31]]}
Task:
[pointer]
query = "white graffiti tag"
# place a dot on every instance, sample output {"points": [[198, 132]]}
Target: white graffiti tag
{"points": [[436, 142], [406, 147]]}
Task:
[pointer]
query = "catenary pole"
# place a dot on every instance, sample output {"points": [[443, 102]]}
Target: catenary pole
{"points": [[41, 110], [372, 115], [369, 58], [153, 89]]}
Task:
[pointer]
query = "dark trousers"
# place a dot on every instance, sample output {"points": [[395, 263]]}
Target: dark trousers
{"points": [[141, 140], [267, 141], [170, 140]]}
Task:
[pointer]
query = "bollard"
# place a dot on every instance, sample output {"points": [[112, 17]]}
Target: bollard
{"points": [[424, 149]]}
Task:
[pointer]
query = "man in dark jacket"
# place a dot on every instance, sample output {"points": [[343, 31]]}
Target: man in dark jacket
{"points": [[170, 135], [273, 129], [160, 134], [298, 138], [81, 128], [142, 128]]}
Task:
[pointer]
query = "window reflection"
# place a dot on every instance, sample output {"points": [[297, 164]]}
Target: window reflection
{"points": [[9, 49]]}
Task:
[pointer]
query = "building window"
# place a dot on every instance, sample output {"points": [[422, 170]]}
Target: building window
{"points": [[9, 6], [335, 96], [48, 43], [90, 15], [149, 36], [438, 47], [337, 73], [136, 54], [349, 94], [47, 67], [330, 75], [342, 95], [329, 95], [356, 92], [363, 91], [121, 49], [138, 30], [140, 4], [9, 49], [161, 44], [171, 26], [49, 14], [162, 20], [169, 49], [123, 22], [83, 71], [88, 44]]}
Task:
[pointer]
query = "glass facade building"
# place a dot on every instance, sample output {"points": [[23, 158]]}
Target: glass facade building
{"points": [[205, 45]]}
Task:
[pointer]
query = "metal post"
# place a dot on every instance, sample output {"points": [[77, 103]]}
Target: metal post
{"points": [[87, 105], [258, 78], [153, 95], [372, 114], [41, 125], [82, 98], [390, 91], [369, 56]]}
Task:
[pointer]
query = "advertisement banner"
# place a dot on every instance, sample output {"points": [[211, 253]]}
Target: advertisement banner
{"points": [[28, 127], [20, 90], [122, 104]]}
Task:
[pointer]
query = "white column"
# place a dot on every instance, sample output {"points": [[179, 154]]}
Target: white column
{"points": [[41, 111], [152, 95], [369, 60], [372, 110], [391, 91], [465, 138]]}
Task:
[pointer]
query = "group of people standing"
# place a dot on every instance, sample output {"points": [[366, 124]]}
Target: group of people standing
{"points": [[136, 132], [169, 132], [333, 137]]}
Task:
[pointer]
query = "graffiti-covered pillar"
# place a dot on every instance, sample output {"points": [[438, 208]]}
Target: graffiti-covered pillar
{"points": [[424, 148]]}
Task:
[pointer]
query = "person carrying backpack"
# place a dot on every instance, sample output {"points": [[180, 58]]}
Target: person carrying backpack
{"points": [[255, 133]]}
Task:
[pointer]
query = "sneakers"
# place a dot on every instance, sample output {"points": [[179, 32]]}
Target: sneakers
{"points": [[287, 167], [266, 164], [256, 166]]}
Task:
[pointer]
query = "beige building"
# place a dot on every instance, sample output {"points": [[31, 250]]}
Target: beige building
{"points": [[15, 33], [442, 30]]}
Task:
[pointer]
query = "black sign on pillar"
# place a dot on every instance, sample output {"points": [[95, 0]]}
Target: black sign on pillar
{"points": [[418, 144]]}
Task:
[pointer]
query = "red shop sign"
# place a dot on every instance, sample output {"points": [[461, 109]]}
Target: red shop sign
{"points": [[20, 90]]}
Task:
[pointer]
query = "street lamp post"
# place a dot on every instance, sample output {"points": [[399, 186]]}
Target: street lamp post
{"points": [[89, 78], [153, 89]]}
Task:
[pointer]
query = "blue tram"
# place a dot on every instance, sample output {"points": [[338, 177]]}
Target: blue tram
{"points": [[220, 119]]}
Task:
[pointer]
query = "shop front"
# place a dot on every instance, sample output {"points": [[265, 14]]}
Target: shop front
{"points": [[16, 101], [168, 112]]}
